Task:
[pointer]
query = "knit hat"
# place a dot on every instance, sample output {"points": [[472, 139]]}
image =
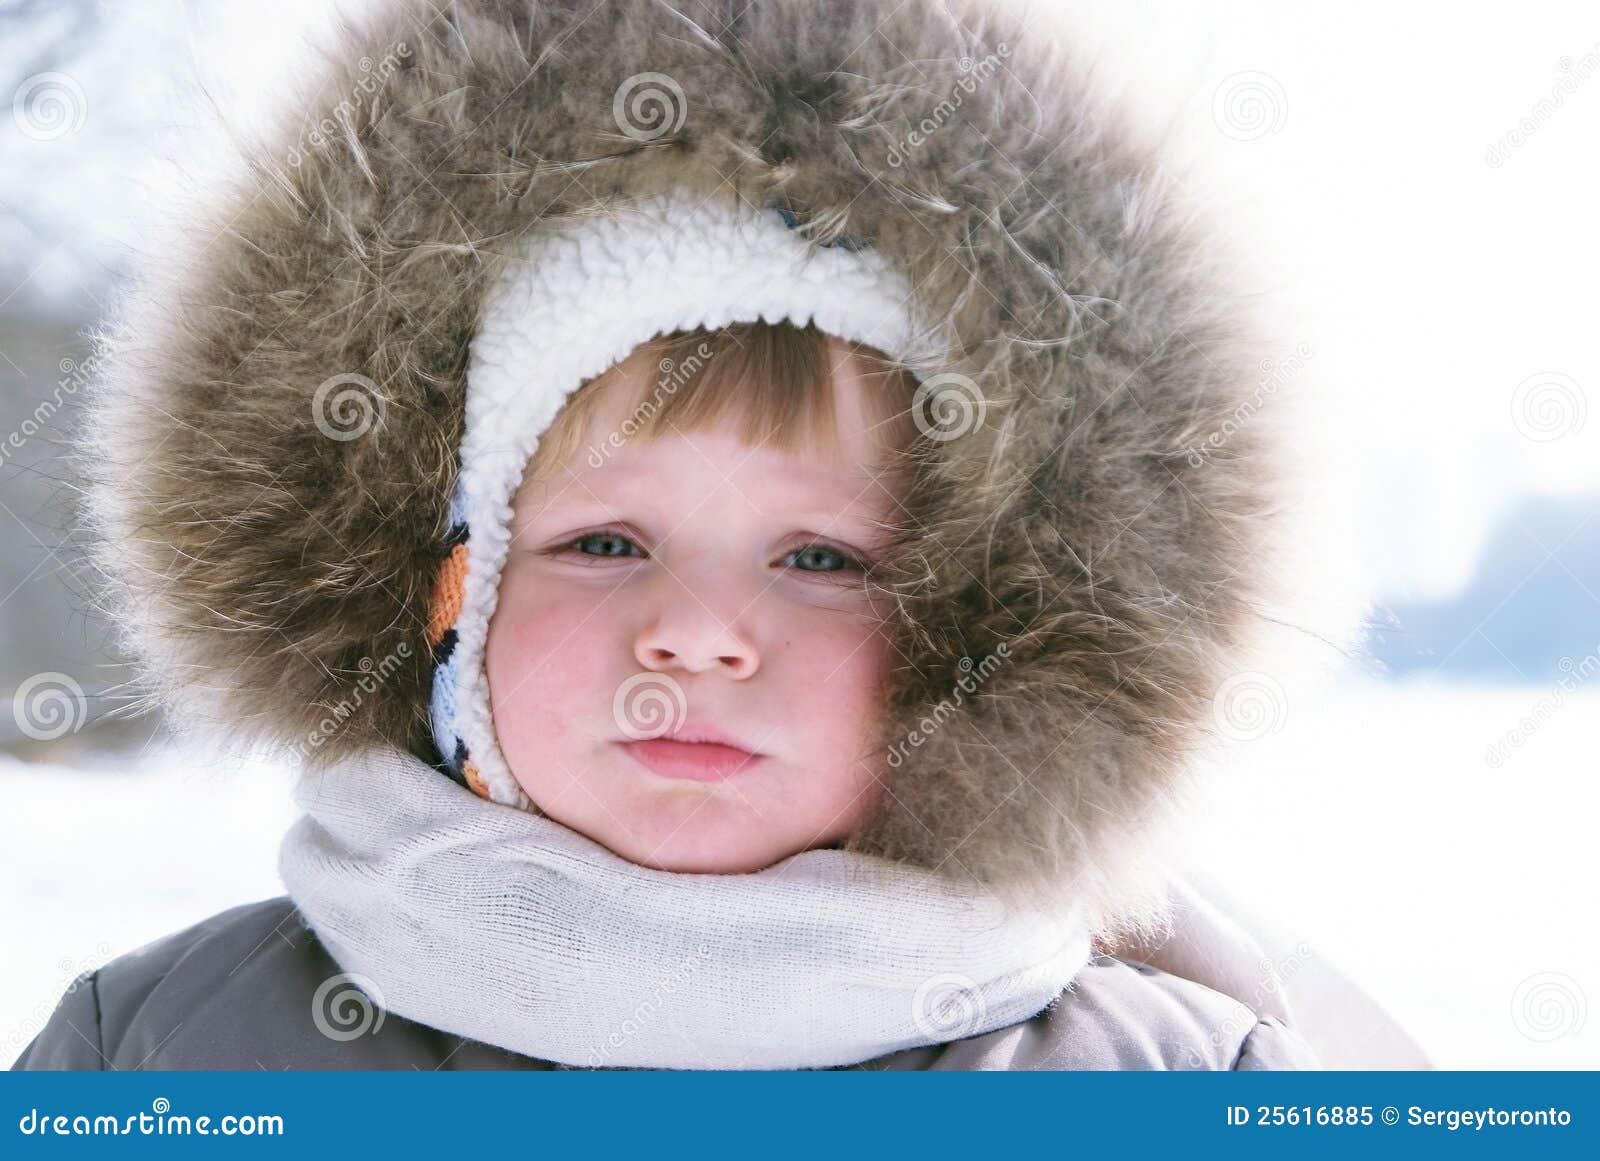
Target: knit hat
{"points": [[572, 303]]}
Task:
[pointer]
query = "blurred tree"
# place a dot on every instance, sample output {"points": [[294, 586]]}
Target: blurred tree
{"points": [[85, 83]]}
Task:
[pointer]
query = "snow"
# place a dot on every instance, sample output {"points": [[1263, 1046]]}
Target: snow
{"points": [[99, 862], [1460, 894]]}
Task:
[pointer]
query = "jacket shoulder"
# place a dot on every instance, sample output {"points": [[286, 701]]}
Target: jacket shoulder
{"points": [[70, 1039], [249, 987], [1272, 1046], [102, 1019], [1131, 1015], [1120, 1014]]}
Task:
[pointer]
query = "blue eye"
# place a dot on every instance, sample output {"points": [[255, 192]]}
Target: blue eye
{"points": [[820, 558], [605, 544]]}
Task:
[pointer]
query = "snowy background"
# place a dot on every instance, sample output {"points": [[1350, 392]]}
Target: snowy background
{"points": [[1414, 197]]}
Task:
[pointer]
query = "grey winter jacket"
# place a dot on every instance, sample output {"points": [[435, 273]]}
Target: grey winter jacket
{"points": [[252, 988]]}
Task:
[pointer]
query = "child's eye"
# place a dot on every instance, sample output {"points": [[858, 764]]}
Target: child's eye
{"points": [[820, 558], [605, 544]]}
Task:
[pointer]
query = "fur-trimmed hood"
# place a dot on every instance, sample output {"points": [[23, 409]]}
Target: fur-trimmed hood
{"points": [[261, 571]]}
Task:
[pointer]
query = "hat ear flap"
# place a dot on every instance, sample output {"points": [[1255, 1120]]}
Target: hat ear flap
{"points": [[444, 608]]}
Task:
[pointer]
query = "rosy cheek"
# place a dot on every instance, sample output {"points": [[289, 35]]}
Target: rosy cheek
{"points": [[839, 671], [552, 634], [544, 664]]}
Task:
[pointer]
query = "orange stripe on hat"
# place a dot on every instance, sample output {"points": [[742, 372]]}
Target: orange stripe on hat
{"points": [[447, 593]]}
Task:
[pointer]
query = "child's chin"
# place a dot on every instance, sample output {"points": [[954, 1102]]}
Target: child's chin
{"points": [[718, 854], [685, 827]]}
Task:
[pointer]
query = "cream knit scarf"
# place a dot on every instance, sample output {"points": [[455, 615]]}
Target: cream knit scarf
{"points": [[502, 926]]}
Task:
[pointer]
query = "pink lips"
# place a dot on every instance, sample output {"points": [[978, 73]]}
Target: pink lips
{"points": [[700, 761]]}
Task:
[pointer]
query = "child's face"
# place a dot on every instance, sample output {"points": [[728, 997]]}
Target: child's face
{"points": [[694, 583]]}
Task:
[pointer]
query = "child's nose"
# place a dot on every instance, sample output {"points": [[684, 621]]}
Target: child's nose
{"points": [[691, 637]]}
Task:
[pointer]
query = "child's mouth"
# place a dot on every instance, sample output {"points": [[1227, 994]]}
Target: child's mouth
{"points": [[701, 761]]}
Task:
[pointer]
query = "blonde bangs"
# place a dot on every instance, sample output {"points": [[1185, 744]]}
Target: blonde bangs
{"points": [[774, 380]]}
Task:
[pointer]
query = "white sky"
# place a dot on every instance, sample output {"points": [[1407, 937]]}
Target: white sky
{"points": [[1428, 283]]}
